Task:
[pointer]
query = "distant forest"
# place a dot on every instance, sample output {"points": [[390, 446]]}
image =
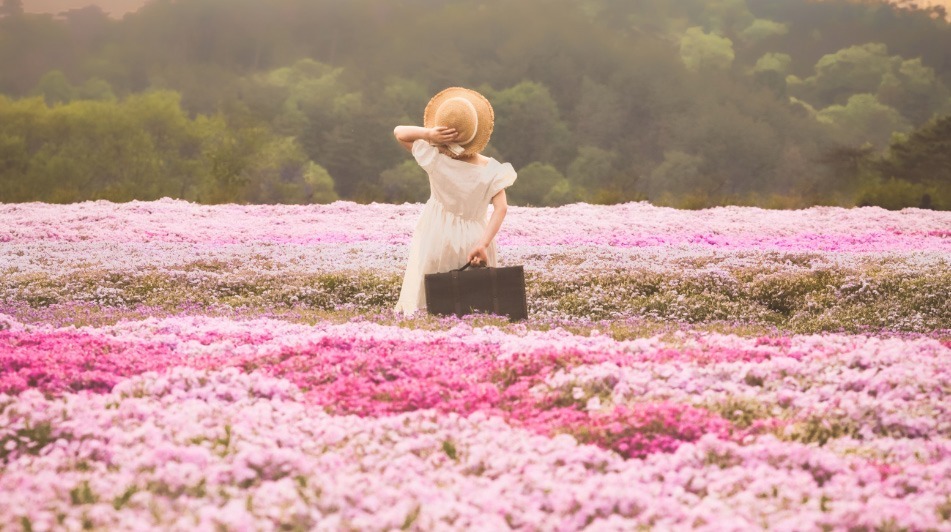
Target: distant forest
{"points": [[690, 103]]}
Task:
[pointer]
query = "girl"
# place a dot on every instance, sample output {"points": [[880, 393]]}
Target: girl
{"points": [[452, 229]]}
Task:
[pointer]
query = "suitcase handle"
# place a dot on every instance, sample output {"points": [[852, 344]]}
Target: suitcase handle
{"points": [[466, 266]]}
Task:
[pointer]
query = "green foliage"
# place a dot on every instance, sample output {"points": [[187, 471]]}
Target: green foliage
{"points": [[863, 119], [776, 62], [914, 89], [449, 448], [907, 85], [852, 70], [528, 125], [319, 184], [895, 194], [740, 152], [308, 93], [405, 182], [804, 300], [679, 173], [83, 494], [852, 168], [705, 51], [541, 185], [55, 88], [600, 115], [923, 157], [276, 98], [592, 170], [145, 147], [819, 430], [726, 16], [741, 411], [763, 29], [281, 173], [96, 89]]}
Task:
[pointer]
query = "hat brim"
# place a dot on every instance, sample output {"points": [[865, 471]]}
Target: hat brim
{"points": [[483, 110]]}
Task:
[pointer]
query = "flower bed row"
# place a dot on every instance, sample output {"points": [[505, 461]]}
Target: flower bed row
{"points": [[865, 385], [175, 236], [186, 422], [631, 225], [820, 269], [809, 301]]}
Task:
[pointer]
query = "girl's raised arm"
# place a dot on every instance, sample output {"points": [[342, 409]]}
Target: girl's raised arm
{"points": [[407, 135]]}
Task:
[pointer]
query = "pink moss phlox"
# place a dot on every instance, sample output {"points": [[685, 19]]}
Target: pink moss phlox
{"points": [[631, 225], [64, 359], [526, 379], [643, 429], [357, 373]]}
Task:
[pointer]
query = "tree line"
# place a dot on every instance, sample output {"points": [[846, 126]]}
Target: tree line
{"points": [[689, 104]]}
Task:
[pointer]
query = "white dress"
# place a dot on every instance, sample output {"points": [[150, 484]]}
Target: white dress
{"points": [[453, 219]]}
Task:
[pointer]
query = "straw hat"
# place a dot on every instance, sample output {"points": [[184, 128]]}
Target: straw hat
{"points": [[468, 112]]}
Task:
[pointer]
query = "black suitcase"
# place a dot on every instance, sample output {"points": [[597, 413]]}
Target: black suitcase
{"points": [[499, 291]]}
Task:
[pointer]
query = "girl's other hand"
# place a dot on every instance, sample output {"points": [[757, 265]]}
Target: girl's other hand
{"points": [[441, 135], [478, 256]]}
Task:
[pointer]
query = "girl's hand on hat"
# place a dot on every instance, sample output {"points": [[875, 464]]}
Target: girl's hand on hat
{"points": [[441, 135]]}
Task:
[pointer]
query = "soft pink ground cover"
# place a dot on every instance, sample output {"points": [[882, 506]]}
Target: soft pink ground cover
{"points": [[193, 449], [181, 422], [184, 423], [176, 237], [868, 229], [358, 369]]}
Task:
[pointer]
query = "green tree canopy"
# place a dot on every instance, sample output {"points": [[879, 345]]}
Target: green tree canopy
{"points": [[405, 182], [528, 124], [592, 170], [773, 61], [923, 156], [274, 97], [863, 119], [55, 88], [680, 173], [702, 51], [146, 147], [540, 185], [915, 91], [761, 29]]}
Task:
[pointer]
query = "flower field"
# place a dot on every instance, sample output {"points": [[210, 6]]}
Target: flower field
{"points": [[175, 366]]}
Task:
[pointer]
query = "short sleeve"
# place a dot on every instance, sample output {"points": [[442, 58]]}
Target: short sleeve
{"points": [[504, 178], [425, 153]]}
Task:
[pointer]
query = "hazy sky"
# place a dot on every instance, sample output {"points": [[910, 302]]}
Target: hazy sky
{"points": [[121, 7], [113, 7]]}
